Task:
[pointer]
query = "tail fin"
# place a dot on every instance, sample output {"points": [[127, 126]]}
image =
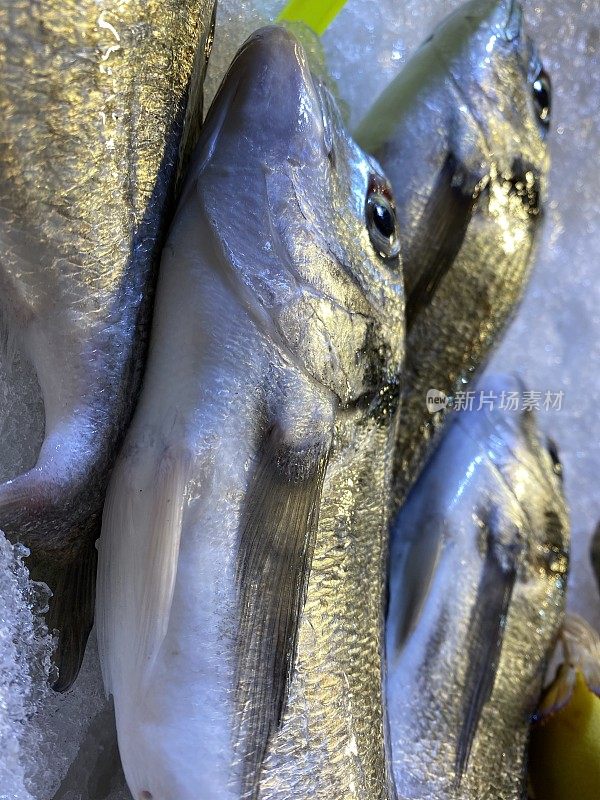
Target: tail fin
{"points": [[54, 509], [71, 608]]}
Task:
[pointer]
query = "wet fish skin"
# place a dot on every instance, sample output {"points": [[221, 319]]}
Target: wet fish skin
{"points": [[460, 136], [595, 554], [248, 508], [93, 125], [478, 576]]}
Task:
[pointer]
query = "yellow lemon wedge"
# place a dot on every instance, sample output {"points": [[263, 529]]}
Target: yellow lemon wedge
{"points": [[564, 751], [317, 14]]}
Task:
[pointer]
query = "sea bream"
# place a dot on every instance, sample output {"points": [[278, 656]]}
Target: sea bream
{"points": [[93, 128], [462, 134], [478, 575], [241, 567]]}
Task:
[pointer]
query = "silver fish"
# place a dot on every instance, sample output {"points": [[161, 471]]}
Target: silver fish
{"points": [[595, 554], [93, 120], [241, 562], [461, 133], [477, 590]]}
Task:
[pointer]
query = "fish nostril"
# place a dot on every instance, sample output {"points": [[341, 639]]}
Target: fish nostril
{"points": [[524, 182], [145, 795]]}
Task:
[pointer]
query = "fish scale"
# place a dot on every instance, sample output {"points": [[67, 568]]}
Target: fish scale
{"points": [[94, 128]]}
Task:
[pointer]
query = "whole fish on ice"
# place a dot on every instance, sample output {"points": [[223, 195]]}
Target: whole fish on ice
{"points": [[93, 100], [478, 574], [461, 133], [242, 556]]}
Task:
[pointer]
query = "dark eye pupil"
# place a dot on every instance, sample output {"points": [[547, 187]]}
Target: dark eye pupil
{"points": [[382, 226], [541, 95], [383, 220]]}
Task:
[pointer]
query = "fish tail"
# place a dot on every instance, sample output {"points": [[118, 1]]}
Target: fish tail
{"points": [[55, 510], [71, 609]]}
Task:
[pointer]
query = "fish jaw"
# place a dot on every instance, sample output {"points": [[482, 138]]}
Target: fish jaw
{"points": [[267, 106]]}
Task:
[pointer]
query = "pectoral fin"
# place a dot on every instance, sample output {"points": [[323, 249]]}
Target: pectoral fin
{"points": [[420, 560], [486, 632], [440, 235], [277, 537], [59, 523], [70, 611], [139, 554]]}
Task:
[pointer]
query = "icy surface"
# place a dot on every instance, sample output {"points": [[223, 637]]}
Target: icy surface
{"points": [[554, 342], [25, 649]]}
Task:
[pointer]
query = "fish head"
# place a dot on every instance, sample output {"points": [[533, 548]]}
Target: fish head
{"points": [[477, 589], [499, 112], [506, 93], [494, 151], [462, 134], [303, 221], [472, 108]]}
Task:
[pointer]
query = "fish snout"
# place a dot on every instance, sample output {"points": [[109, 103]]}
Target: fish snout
{"points": [[505, 17], [513, 24], [271, 104]]}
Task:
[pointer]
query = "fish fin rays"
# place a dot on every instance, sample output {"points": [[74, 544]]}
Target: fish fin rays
{"points": [[162, 556], [278, 531], [141, 536], [440, 234], [70, 609], [420, 558], [486, 632], [31, 506]]}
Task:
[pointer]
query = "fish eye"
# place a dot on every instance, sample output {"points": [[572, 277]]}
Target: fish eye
{"points": [[542, 96], [556, 462], [382, 224]]}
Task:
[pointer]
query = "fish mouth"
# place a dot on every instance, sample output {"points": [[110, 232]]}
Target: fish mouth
{"points": [[514, 20], [267, 105], [485, 637], [503, 17]]}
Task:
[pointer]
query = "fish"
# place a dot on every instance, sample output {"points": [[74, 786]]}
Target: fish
{"points": [[242, 556], [95, 124], [462, 133], [595, 554], [478, 577]]}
